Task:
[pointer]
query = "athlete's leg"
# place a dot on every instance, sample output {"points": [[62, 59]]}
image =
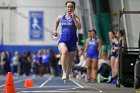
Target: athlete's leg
{"points": [[94, 68], [112, 62], [88, 66], [116, 66], [64, 56], [71, 56]]}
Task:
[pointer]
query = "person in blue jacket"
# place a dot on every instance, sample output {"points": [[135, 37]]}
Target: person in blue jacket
{"points": [[67, 43]]}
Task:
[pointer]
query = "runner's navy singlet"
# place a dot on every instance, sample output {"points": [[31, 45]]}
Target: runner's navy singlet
{"points": [[68, 34], [92, 49]]}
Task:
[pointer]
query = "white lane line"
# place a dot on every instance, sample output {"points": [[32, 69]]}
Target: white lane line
{"points": [[14, 82], [57, 91], [57, 87], [89, 86], [45, 82], [77, 84], [67, 89]]}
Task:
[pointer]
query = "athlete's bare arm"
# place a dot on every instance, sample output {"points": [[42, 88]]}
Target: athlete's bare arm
{"points": [[86, 45], [56, 25], [76, 20], [99, 48]]}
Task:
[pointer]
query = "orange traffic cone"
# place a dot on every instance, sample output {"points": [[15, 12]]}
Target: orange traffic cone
{"points": [[9, 84], [28, 83]]}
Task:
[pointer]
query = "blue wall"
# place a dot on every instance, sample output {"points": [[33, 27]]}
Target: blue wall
{"points": [[21, 48]]}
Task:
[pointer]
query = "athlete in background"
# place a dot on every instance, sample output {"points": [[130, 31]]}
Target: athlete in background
{"points": [[93, 51]]}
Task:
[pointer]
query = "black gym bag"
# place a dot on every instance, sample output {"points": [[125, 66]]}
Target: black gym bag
{"points": [[105, 70]]}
